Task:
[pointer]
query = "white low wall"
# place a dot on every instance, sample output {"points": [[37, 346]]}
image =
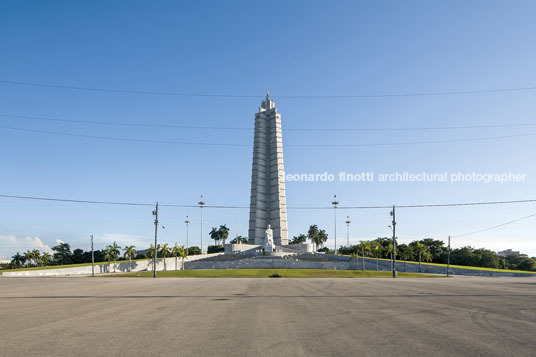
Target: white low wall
{"points": [[123, 266]]}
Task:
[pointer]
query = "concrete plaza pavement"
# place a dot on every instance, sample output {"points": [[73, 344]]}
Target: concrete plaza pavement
{"points": [[470, 316]]}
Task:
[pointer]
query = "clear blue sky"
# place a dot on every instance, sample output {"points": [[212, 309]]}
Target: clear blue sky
{"points": [[294, 48]]}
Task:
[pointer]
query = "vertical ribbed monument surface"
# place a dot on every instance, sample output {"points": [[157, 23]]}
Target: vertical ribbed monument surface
{"points": [[268, 204]]}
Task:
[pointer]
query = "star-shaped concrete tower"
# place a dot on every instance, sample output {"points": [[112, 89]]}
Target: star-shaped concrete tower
{"points": [[268, 204]]}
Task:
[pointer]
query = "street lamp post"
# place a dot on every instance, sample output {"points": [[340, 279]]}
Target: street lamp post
{"points": [[201, 204], [92, 258], [335, 203], [394, 241], [348, 230], [448, 259], [155, 253], [187, 221]]}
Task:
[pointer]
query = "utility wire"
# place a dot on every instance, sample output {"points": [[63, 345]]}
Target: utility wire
{"points": [[189, 94], [119, 139], [497, 226], [235, 207], [178, 126], [249, 145], [124, 124]]}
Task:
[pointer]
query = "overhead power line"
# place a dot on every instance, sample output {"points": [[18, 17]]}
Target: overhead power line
{"points": [[111, 138], [236, 207], [177, 126], [497, 226], [180, 126], [217, 95], [120, 139]]}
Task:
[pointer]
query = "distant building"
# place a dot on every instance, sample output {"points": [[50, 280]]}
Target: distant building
{"points": [[507, 252], [5, 261]]}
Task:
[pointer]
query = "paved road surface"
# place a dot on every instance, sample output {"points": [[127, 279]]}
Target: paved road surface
{"points": [[271, 317]]}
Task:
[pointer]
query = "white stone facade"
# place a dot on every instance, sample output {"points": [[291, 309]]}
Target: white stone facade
{"points": [[268, 204]]}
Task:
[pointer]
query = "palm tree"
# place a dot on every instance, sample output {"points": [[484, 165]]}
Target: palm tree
{"points": [[45, 258], [302, 238], [322, 237], [175, 251], [215, 234], [223, 233], [164, 253], [130, 253], [150, 254], [377, 249], [35, 256], [427, 256], [420, 249], [28, 255], [239, 240], [312, 234], [17, 259], [182, 254], [365, 248], [108, 256], [388, 252], [405, 254], [115, 251]]}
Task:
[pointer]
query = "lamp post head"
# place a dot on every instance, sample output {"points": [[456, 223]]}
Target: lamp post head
{"points": [[335, 202], [187, 220], [202, 202]]}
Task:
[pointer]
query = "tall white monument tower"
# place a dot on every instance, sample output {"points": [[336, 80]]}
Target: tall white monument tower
{"points": [[268, 204]]}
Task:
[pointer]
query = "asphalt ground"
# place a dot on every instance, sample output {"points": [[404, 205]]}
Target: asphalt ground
{"points": [[469, 316]]}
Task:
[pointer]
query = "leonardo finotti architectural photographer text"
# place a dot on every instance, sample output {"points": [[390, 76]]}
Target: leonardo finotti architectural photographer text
{"points": [[408, 177]]}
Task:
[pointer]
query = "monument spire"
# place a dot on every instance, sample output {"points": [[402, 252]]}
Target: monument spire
{"points": [[268, 203]]}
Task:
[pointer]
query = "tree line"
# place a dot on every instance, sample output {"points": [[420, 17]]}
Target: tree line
{"points": [[62, 255], [434, 251]]}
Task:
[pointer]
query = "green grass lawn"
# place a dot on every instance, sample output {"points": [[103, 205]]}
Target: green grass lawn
{"points": [[265, 273], [454, 266]]}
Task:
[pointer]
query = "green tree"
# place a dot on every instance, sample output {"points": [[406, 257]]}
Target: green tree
{"points": [[62, 253], [150, 254], [28, 256], [405, 252], [112, 253], [108, 256], [239, 240], [175, 251], [377, 249], [78, 256], [195, 250], [129, 252], [46, 259], [365, 247], [435, 247], [321, 238], [17, 260], [312, 235], [427, 256], [183, 255], [223, 233], [215, 235], [164, 253], [300, 239], [419, 249], [36, 257]]}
